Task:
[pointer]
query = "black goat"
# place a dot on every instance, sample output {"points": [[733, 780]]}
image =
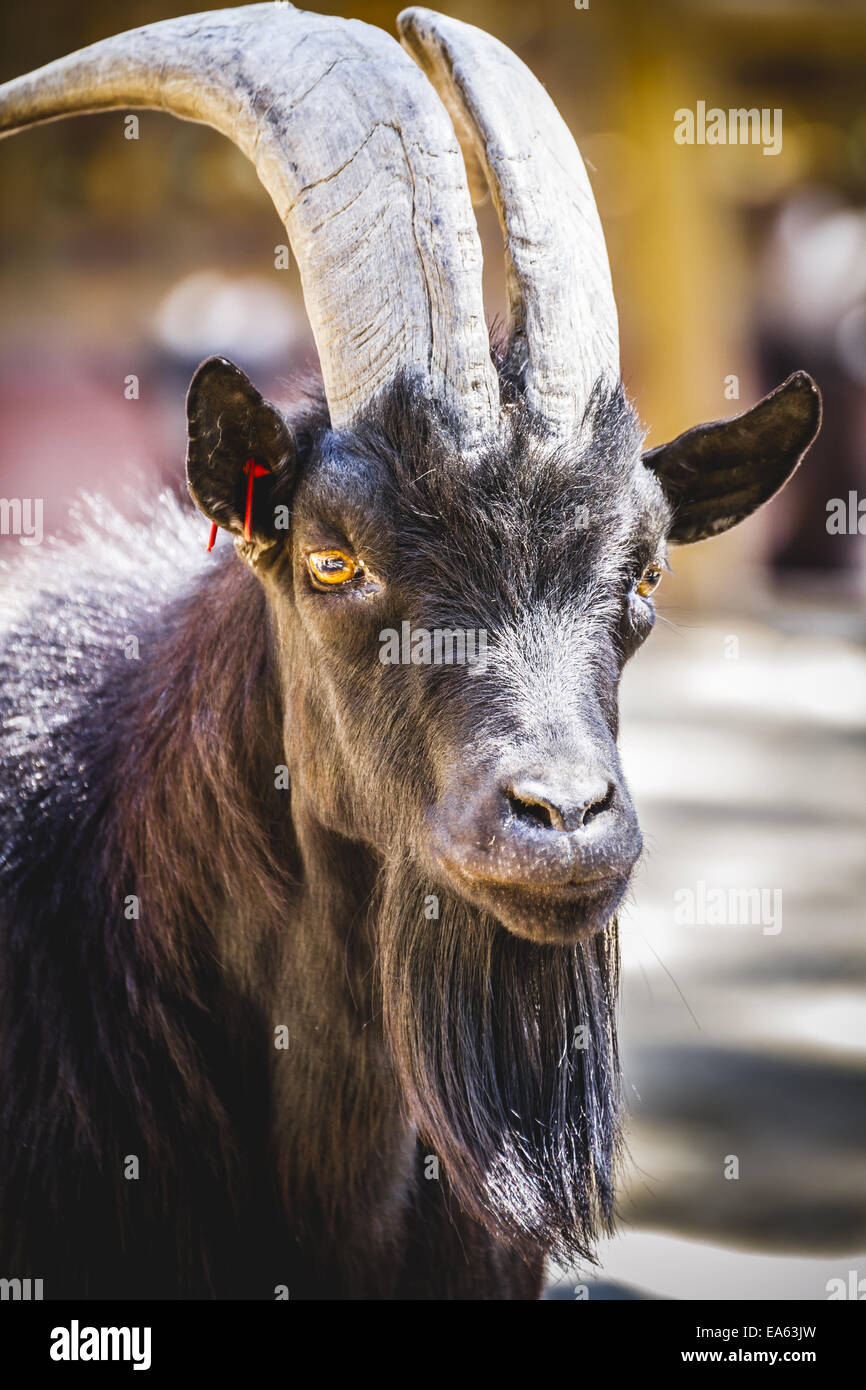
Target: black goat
{"points": [[308, 939]]}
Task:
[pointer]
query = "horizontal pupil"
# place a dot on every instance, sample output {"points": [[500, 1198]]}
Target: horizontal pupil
{"points": [[332, 565]]}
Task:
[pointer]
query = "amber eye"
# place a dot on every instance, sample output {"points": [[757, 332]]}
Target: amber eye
{"points": [[332, 566], [649, 580]]}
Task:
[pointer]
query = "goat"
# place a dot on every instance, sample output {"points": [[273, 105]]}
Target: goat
{"points": [[308, 955]]}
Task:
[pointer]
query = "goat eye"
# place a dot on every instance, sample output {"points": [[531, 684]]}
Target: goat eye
{"points": [[649, 580], [332, 566]]}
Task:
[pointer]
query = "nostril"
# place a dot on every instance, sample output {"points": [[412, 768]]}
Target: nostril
{"points": [[594, 808], [537, 811], [532, 803]]}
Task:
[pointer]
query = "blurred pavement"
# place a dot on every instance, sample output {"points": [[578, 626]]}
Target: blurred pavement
{"points": [[744, 1043]]}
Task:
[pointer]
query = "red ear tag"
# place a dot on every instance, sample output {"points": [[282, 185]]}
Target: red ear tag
{"points": [[252, 470]]}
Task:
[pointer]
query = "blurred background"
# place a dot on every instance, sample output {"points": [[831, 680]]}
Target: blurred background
{"points": [[125, 261]]}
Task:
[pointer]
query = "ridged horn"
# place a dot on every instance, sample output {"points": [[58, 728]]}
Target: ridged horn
{"points": [[363, 166], [561, 306]]}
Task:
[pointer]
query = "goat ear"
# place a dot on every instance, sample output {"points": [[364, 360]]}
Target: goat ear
{"points": [[715, 475], [229, 423]]}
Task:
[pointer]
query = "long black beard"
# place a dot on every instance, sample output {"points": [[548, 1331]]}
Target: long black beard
{"points": [[485, 1034]]}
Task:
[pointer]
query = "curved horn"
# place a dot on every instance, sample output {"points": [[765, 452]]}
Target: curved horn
{"points": [[561, 304], [362, 164]]}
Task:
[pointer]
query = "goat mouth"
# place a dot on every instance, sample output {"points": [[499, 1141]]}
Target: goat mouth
{"points": [[552, 914]]}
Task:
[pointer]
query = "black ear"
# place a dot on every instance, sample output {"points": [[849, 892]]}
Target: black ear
{"points": [[716, 475], [229, 424]]}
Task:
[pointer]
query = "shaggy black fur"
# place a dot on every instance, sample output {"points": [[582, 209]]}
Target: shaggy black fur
{"points": [[166, 905]]}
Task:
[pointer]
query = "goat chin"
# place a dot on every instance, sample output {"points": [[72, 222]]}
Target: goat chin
{"points": [[554, 916], [505, 1051]]}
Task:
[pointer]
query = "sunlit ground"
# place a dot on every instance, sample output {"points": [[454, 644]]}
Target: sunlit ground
{"points": [[745, 1041]]}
